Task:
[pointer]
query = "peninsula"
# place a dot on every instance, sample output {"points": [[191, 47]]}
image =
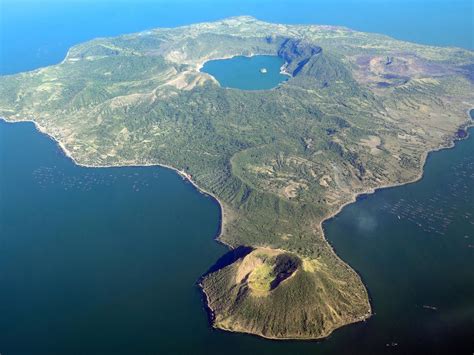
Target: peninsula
{"points": [[359, 112]]}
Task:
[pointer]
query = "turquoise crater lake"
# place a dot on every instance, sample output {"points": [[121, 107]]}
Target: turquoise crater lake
{"points": [[105, 261], [259, 72]]}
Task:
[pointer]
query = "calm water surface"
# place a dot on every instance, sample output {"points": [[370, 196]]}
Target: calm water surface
{"points": [[245, 73], [36, 33], [414, 248], [105, 260], [97, 259]]}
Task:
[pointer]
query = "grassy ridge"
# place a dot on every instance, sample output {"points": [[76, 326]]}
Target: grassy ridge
{"points": [[359, 112]]}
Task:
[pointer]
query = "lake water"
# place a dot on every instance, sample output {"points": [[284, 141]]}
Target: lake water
{"points": [[37, 33], [97, 259], [106, 260], [414, 248], [245, 73]]}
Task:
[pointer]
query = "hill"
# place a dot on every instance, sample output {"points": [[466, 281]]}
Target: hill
{"points": [[360, 112]]}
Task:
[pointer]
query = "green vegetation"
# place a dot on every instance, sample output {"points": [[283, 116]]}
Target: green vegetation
{"points": [[359, 112], [271, 293]]}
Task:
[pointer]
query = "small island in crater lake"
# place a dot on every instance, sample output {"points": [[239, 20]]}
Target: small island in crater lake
{"points": [[257, 72], [354, 112]]}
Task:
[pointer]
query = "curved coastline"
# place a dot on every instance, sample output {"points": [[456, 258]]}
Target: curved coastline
{"points": [[181, 173], [450, 144], [200, 65], [446, 145]]}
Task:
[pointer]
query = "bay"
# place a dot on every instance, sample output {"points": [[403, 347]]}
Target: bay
{"points": [[106, 260]]}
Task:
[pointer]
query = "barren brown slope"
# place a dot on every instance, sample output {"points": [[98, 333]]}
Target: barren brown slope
{"points": [[360, 112]]}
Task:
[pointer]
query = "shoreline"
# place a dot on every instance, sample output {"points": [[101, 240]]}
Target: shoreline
{"points": [[185, 176], [419, 176], [181, 173], [211, 313], [451, 144], [201, 63]]}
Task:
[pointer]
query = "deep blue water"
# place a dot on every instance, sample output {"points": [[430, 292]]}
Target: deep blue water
{"points": [[36, 33], [414, 248], [105, 260], [98, 261], [245, 73]]}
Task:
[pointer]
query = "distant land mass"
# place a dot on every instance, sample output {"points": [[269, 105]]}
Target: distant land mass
{"points": [[359, 112]]}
